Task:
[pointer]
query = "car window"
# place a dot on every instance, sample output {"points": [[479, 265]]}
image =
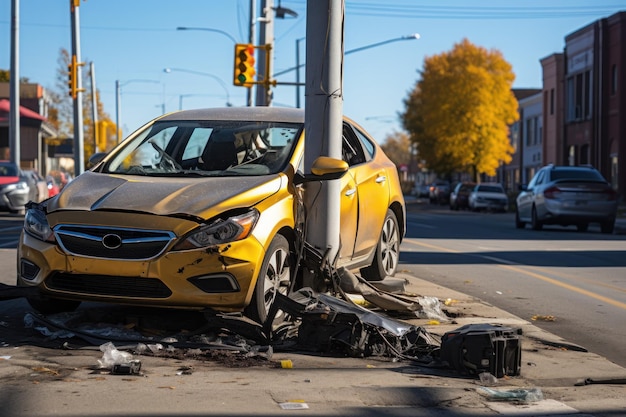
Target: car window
{"points": [[8, 170], [368, 146], [351, 149], [576, 174], [536, 179], [490, 189], [222, 148]]}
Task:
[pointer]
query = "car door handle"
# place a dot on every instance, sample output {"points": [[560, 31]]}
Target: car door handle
{"points": [[380, 179], [350, 192]]}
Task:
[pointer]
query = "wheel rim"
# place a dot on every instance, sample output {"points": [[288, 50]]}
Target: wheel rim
{"points": [[389, 246], [277, 277]]}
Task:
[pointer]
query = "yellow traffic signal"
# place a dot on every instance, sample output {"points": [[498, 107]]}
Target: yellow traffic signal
{"points": [[244, 65], [71, 78]]}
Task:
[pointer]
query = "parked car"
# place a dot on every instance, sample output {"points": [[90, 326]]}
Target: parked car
{"points": [[16, 188], [41, 186], [421, 190], [488, 196], [205, 209], [567, 195], [439, 192], [459, 196]]}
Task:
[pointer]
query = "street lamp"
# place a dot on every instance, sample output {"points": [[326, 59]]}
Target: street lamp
{"points": [[118, 100], [205, 74], [401, 38], [228, 35]]}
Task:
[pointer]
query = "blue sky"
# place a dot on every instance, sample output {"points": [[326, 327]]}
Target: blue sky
{"points": [[133, 41]]}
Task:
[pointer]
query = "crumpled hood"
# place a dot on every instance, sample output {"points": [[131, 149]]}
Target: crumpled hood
{"points": [[161, 195]]}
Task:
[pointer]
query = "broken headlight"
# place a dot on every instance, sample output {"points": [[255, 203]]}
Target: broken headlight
{"points": [[221, 231], [36, 225]]}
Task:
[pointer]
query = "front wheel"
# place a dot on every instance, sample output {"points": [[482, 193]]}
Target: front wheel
{"points": [[607, 226], [275, 277], [536, 223], [387, 254], [518, 223]]}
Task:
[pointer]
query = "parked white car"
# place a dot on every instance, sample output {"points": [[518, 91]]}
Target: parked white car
{"points": [[488, 196]]}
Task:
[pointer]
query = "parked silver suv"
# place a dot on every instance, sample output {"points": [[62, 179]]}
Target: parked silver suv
{"points": [[567, 195]]}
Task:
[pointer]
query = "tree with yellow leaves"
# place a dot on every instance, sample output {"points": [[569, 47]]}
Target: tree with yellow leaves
{"points": [[459, 113]]}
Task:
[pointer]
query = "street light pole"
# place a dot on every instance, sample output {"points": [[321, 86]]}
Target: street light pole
{"points": [[205, 74], [298, 71], [118, 101], [401, 38]]}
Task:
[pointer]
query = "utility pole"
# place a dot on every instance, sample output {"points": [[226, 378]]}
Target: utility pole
{"points": [[14, 85], [266, 37], [94, 106], [251, 42], [79, 155], [323, 119]]}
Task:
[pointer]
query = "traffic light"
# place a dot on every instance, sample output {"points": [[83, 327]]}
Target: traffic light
{"points": [[244, 65], [71, 78]]}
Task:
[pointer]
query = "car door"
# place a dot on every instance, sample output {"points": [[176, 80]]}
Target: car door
{"points": [[526, 198], [372, 185]]}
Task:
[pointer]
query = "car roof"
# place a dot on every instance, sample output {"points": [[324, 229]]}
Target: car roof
{"points": [[261, 113]]}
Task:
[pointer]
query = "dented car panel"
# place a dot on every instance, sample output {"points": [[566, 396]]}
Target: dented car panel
{"points": [[200, 209]]}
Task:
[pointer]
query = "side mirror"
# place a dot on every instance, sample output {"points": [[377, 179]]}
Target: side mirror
{"points": [[96, 158], [324, 168]]}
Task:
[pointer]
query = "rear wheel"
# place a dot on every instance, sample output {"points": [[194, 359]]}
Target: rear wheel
{"points": [[387, 253], [607, 226], [275, 277], [536, 223]]}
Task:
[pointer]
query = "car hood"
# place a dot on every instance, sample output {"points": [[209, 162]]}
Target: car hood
{"points": [[162, 196]]}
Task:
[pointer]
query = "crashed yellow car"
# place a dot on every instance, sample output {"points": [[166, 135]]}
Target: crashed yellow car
{"points": [[204, 209]]}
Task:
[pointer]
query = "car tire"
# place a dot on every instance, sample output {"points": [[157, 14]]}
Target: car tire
{"points": [[607, 226], [275, 276], [387, 253], [518, 223], [582, 227], [49, 305], [534, 221]]}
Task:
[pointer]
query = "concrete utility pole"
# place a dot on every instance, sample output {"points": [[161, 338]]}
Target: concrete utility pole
{"points": [[94, 106], [14, 85], [79, 155], [266, 37], [251, 38], [323, 118]]}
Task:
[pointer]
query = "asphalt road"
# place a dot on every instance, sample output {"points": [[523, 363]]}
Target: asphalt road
{"points": [[571, 284]]}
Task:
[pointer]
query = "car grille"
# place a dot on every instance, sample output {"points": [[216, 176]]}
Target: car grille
{"points": [[109, 285], [112, 243]]}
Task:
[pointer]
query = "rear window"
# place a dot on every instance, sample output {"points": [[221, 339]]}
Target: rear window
{"points": [[490, 189], [576, 174], [8, 170]]}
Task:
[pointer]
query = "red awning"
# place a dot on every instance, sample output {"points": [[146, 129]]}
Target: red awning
{"points": [[5, 108]]}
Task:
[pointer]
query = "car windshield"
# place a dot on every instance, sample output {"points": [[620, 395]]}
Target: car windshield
{"points": [[490, 189], [576, 174], [8, 170], [205, 148]]}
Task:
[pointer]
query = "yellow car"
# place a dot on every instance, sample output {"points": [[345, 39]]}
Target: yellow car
{"points": [[204, 209]]}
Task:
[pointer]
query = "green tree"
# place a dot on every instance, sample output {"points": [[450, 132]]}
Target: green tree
{"points": [[460, 111]]}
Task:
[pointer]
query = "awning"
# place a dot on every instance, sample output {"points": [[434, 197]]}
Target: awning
{"points": [[5, 108]]}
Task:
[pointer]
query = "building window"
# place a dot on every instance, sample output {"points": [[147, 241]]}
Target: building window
{"points": [[529, 132], [584, 155], [552, 101], [579, 96]]}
